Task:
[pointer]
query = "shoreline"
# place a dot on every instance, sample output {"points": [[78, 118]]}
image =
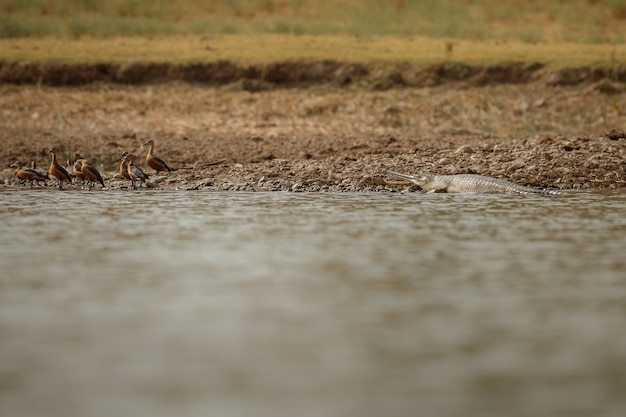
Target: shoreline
{"points": [[584, 164], [325, 139]]}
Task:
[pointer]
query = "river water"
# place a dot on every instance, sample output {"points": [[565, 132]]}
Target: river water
{"points": [[162, 303]]}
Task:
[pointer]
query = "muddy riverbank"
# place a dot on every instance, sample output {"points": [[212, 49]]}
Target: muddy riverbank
{"points": [[324, 138]]}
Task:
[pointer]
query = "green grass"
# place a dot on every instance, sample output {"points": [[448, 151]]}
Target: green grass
{"points": [[591, 21], [558, 33]]}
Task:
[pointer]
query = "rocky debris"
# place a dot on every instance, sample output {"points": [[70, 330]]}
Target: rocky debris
{"points": [[616, 134]]}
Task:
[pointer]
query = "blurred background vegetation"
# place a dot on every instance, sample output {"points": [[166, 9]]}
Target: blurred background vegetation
{"points": [[588, 21]]}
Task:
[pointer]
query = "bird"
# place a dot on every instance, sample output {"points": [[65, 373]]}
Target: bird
{"points": [[76, 169], [69, 167], [43, 174], [57, 171], [154, 162], [123, 169], [27, 174], [134, 172], [91, 174]]}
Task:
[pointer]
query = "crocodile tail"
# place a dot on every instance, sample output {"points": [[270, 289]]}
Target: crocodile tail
{"points": [[551, 191]]}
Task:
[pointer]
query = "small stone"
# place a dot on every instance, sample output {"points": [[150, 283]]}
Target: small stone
{"points": [[464, 149], [523, 106], [516, 165]]}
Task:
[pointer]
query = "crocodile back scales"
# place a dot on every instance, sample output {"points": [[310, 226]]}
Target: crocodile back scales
{"points": [[478, 184], [468, 184]]}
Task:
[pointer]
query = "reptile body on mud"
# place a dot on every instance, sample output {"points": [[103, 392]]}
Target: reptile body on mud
{"points": [[468, 184]]}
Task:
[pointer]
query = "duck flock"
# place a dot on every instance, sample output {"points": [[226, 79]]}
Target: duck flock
{"points": [[86, 174]]}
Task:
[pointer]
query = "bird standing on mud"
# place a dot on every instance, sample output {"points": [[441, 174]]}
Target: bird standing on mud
{"points": [[69, 167], [43, 174], [28, 174], [123, 168], [134, 172], [154, 162], [91, 174], [57, 171], [76, 169]]}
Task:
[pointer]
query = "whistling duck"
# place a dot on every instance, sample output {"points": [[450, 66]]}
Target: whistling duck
{"points": [[43, 174], [57, 171], [91, 174], [76, 168], [26, 174], [69, 167], [134, 172], [154, 162], [123, 168]]}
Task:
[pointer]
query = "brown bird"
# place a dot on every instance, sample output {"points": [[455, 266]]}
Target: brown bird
{"points": [[69, 167], [91, 174], [43, 174], [57, 171], [76, 168], [27, 174], [123, 169], [134, 172], [154, 162]]}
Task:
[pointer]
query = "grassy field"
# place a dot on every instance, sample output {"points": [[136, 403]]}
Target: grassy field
{"points": [[589, 21], [559, 34], [266, 48]]}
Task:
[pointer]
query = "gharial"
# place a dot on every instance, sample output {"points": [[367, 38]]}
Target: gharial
{"points": [[468, 184]]}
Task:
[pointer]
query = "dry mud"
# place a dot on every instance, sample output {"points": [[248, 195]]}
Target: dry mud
{"points": [[325, 137]]}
